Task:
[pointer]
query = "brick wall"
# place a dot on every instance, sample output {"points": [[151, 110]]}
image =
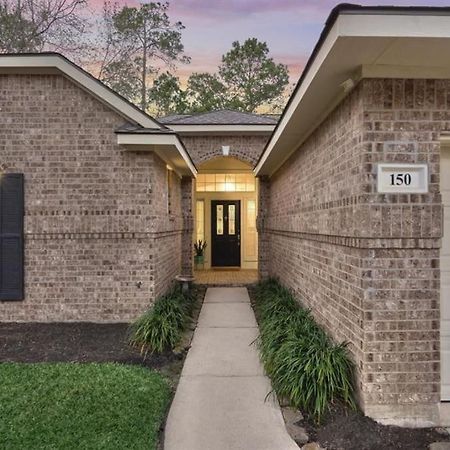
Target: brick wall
{"points": [[366, 263], [205, 148], [187, 202], [95, 215], [169, 227]]}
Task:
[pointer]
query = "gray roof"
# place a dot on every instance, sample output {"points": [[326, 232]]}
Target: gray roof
{"points": [[221, 117], [129, 128]]}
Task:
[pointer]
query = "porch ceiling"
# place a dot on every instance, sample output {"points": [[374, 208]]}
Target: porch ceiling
{"points": [[359, 43]]}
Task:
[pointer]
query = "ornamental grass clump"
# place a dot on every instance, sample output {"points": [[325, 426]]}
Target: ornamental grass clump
{"points": [[161, 327], [305, 366]]}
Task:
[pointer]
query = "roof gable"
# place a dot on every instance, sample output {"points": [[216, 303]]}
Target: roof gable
{"points": [[51, 63]]}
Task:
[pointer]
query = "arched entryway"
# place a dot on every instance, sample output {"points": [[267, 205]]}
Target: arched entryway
{"points": [[225, 210]]}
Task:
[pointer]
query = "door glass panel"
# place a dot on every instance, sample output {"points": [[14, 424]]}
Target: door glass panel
{"points": [[251, 240], [219, 219], [200, 220], [231, 219]]}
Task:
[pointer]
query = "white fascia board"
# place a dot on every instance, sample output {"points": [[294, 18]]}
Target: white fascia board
{"points": [[150, 141], [394, 25], [360, 26], [321, 55], [82, 79], [217, 129]]}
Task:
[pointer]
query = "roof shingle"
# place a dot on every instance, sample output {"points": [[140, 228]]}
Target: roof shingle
{"points": [[220, 117]]}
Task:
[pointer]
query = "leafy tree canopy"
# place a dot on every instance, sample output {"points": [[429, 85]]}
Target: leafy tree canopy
{"points": [[252, 78], [246, 79], [205, 92], [166, 95]]}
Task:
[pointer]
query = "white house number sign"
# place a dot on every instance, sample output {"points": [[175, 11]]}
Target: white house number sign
{"points": [[402, 178]]}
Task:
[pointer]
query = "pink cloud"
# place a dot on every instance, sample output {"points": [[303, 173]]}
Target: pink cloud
{"points": [[249, 6]]}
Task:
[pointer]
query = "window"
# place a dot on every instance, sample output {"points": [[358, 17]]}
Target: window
{"points": [[251, 241], [226, 182], [11, 236], [200, 220]]}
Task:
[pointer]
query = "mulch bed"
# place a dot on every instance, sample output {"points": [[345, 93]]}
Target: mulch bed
{"points": [[34, 342], [73, 342], [344, 429]]}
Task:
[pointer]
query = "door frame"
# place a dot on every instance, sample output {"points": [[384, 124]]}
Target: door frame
{"points": [[238, 221], [248, 262]]}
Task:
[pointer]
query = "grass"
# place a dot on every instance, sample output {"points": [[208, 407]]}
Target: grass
{"points": [[305, 366], [161, 327], [80, 406]]}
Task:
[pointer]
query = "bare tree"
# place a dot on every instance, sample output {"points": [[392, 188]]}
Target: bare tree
{"points": [[135, 43], [37, 25]]}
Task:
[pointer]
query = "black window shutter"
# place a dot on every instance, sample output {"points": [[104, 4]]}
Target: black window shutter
{"points": [[11, 236]]}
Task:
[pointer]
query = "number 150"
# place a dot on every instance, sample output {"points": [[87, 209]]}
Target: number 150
{"points": [[400, 179]]}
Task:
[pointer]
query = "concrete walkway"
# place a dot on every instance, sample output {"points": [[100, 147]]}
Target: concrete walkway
{"points": [[221, 403]]}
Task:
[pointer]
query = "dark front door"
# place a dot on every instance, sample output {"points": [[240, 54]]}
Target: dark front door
{"points": [[226, 233]]}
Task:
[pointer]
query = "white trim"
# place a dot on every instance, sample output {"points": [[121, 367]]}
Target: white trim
{"points": [[238, 129], [146, 139], [361, 45], [321, 55], [160, 144], [29, 63]]}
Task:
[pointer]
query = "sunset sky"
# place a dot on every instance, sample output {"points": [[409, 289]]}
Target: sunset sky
{"points": [[290, 27]]}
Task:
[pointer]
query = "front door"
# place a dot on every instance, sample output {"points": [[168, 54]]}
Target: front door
{"points": [[226, 233]]}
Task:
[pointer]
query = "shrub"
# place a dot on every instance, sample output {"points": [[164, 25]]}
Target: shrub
{"points": [[305, 366], [160, 328]]}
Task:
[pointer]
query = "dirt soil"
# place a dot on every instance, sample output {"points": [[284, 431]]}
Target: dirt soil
{"points": [[344, 429], [73, 342], [86, 342]]}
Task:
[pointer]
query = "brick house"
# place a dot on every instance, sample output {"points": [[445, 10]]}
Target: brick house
{"points": [[364, 254], [345, 199], [96, 196]]}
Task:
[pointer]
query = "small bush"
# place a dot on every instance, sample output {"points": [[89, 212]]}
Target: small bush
{"points": [[305, 366], [161, 327]]}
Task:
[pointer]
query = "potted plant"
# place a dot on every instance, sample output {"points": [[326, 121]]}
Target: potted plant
{"points": [[199, 257]]}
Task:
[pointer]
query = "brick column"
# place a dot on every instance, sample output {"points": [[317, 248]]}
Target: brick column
{"points": [[263, 241], [188, 225]]}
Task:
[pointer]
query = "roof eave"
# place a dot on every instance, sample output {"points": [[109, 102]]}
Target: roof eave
{"points": [[336, 66], [167, 146]]}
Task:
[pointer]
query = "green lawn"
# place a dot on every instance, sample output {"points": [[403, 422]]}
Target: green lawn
{"points": [[80, 406]]}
